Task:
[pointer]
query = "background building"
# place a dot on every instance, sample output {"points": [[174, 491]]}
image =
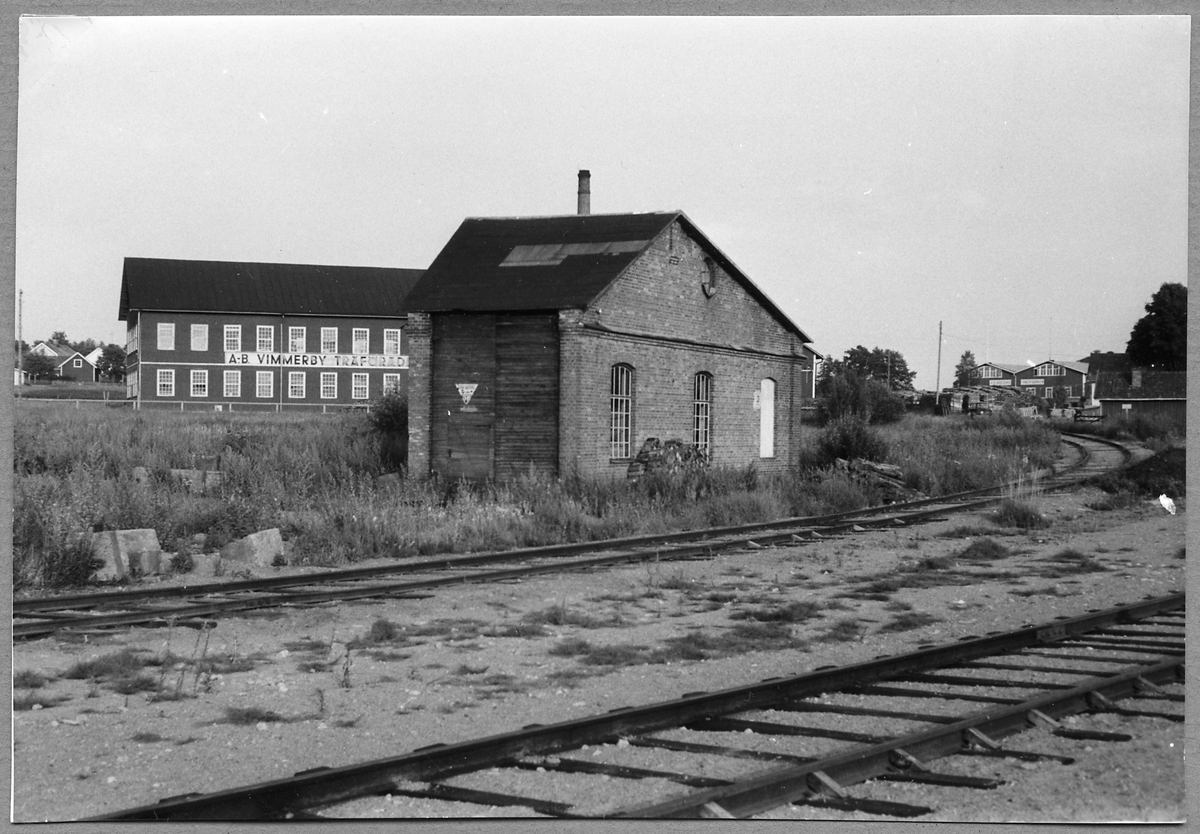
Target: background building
{"points": [[563, 343], [249, 336], [1041, 380]]}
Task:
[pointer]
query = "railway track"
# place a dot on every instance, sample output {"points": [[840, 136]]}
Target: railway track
{"points": [[196, 605], [822, 738]]}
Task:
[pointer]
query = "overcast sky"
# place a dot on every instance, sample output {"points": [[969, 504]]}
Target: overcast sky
{"points": [[1021, 179]]}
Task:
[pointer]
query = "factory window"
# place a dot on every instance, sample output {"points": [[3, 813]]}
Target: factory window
{"points": [[296, 385], [766, 418], [359, 387], [328, 340], [1051, 369], [166, 335], [360, 341], [199, 383], [78, 363], [266, 339], [233, 338], [621, 411], [391, 382], [702, 411], [199, 337], [166, 383], [328, 386], [233, 383], [988, 372], [264, 384], [131, 336], [391, 342], [297, 340]]}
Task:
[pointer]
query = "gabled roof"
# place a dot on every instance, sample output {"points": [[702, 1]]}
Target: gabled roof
{"points": [[65, 358], [552, 263], [1011, 369], [1078, 367], [296, 289], [57, 352]]}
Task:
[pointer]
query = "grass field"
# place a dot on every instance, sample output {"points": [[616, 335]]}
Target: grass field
{"points": [[314, 477]]}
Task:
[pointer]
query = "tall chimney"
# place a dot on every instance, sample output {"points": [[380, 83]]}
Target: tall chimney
{"points": [[585, 192]]}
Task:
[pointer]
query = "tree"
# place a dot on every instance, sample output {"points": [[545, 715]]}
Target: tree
{"points": [[111, 363], [1159, 339], [59, 337], [85, 347], [887, 366], [38, 366], [963, 371]]}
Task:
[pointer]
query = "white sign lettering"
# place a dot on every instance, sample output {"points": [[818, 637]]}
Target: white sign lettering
{"points": [[999, 382], [326, 361], [1033, 382]]}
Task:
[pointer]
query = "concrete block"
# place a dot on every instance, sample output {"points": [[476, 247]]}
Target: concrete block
{"points": [[146, 563], [205, 564], [141, 476], [118, 548], [261, 548]]}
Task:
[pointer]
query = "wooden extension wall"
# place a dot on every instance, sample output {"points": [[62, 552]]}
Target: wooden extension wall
{"points": [[509, 419]]}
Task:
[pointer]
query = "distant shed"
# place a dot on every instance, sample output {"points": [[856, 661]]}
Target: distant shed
{"points": [[1155, 394]]}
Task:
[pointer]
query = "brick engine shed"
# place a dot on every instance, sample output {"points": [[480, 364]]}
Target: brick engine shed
{"points": [[562, 343]]}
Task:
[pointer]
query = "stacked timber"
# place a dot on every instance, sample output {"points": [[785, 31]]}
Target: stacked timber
{"points": [[666, 456], [885, 478]]}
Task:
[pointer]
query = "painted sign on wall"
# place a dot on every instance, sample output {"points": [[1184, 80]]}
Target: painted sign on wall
{"points": [[318, 360]]}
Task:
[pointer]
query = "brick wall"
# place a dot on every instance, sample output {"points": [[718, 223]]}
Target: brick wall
{"points": [[663, 400], [662, 293], [420, 380]]}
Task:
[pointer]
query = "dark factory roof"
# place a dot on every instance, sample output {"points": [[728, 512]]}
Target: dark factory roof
{"points": [[551, 263], [291, 289], [1152, 385]]}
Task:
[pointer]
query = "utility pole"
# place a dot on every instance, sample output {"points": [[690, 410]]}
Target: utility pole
{"points": [[20, 334], [939, 370]]}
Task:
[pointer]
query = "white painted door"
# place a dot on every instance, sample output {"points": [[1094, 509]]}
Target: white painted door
{"points": [[766, 419]]}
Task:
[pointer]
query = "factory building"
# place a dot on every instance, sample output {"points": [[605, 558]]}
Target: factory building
{"points": [[563, 343], [1042, 379], [231, 336]]}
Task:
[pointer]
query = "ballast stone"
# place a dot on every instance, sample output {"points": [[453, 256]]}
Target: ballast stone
{"points": [[263, 548]]}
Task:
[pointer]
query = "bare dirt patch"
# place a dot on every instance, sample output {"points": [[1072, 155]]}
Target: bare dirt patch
{"points": [[151, 713]]}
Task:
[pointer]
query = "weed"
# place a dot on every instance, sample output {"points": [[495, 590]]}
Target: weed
{"points": [[1071, 561], [621, 655], [560, 615], [843, 631], [984, 550], [146, 738], [571, 647], [523, 630], [29, 700], [119, 671], [898, 605], [28, 679], [908, 621], [1020, 514], [464, 669], [794, 612], [251, 715]]}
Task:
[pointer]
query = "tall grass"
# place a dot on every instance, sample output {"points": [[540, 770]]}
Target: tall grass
{"points": [[314, 477]]}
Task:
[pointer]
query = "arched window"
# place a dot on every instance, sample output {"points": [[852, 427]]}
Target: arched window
{"points": [[621, 411], [710, 277], [766, 418], [702, 412]]}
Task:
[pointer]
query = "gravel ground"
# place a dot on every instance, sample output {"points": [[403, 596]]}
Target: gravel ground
{"points": [[292, 690]]}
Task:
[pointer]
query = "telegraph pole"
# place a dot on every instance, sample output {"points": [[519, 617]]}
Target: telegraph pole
{"points": [[939, 370], [20, 334]]}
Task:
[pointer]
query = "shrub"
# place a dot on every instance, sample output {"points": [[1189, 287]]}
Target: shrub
{"points": [[1014, 513], [850, 437]]}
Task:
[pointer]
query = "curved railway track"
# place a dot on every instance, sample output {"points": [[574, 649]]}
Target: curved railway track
{"points": [[821, 738], [195, 604]]}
